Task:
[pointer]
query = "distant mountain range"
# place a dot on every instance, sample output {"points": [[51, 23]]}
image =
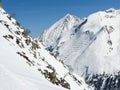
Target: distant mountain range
{"points": [[90, 47]]}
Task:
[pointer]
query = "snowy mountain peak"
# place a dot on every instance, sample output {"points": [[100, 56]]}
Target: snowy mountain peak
{"points": [[70, 16], [66, 22], [90, 48], [78, 46], [56, 31]]}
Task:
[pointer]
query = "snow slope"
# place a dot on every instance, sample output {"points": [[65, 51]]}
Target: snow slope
{"points": [[93, 48], [26, 65]]}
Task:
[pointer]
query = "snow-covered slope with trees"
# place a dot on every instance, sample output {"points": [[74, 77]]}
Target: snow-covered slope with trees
{"points": [[93, 46], [26, 65]]}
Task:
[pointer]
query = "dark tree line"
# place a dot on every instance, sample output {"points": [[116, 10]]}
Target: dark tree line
{"points": [[104, 81]]}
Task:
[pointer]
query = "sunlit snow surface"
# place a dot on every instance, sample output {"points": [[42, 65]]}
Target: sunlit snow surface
{"points": [[16, 73]]}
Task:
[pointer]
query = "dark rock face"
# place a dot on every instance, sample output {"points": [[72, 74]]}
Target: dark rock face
{"points": [[104, 81]]}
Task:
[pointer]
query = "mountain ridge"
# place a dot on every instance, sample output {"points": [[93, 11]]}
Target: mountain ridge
{"points": [[92, 49], [25, 63], [97, 21]]}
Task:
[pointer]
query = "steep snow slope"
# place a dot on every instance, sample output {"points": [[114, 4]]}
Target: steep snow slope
{"points": [[95, 45], [26, 65]]}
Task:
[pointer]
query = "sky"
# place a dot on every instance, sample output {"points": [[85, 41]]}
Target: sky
{"points": [[39, 15]]}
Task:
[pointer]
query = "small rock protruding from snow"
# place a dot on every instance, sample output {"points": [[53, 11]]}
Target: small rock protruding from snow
{"points": [[111, 10]]}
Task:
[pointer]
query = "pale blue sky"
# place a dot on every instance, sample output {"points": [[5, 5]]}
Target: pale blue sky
{"points": [[38, 15]]}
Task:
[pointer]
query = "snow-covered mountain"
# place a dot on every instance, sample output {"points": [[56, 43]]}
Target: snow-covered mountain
{"points": [[90, 47], [25, 64], [58, 31]]}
